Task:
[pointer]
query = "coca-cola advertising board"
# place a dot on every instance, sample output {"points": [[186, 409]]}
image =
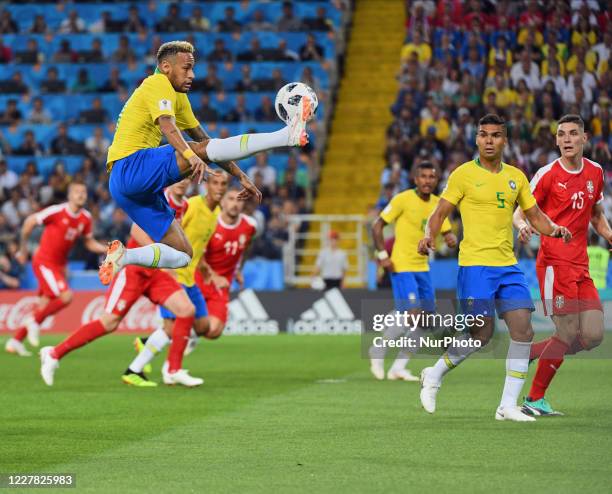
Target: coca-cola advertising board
{"points": [[86, 306]]}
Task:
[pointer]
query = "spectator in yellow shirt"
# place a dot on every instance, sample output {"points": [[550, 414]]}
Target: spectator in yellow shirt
{"points": [[418, 46], [584, 33], [504, 96], [601, 125], [580, 52], [436, 125], [551, 56]]}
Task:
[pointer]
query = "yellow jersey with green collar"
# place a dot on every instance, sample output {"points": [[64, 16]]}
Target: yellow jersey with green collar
{"points": [[137, 125], [410, 213], [486, 202], [199, 223]]}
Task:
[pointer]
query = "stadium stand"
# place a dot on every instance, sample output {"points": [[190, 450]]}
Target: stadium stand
{"points": [[529, 61], [68, 68]]}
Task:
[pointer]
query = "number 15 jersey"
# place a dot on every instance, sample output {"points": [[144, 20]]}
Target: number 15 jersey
{"points": [[568, 198]]}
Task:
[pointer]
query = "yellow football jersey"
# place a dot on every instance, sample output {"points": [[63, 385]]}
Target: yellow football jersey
{"points": [[137, 126], [410, 214], [486, 202], [199, 223]]}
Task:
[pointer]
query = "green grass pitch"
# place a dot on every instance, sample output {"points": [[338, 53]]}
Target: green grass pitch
{"points": [[298, 414]]}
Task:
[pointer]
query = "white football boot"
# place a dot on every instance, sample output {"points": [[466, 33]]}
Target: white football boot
{"points": [[48, 365], [512, 413], [33, 330], [429, 390], [377, 368], [297, 125], [401, 375], [181, 377], [17, 348]]}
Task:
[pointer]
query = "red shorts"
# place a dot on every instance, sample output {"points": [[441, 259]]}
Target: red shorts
{"points": [[132, 282], [51, 279], [567, 289], [216, 300]]}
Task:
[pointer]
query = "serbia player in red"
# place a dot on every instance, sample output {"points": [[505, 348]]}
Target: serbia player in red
{"points": [[220, 264], [127, 286], [63, 225], [570, 191]]}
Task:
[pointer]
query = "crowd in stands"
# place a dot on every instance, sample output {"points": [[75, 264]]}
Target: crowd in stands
{"points": [[530, 61], [68, 68]]}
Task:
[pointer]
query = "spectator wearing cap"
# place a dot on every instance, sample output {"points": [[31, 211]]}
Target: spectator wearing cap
{"points": [[332, 263]]}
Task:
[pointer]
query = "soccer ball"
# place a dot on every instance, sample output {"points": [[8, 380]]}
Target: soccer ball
{"points": [[288, 99]]}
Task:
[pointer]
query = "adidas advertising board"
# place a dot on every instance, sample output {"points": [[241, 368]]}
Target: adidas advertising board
{"points": [[329, 314], [248, 316]]}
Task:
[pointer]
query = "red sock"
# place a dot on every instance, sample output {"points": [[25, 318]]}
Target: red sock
{"points": [[538, 348], [20, 334], [85, 334], [180, 337], [52, 307], [550, 361]]}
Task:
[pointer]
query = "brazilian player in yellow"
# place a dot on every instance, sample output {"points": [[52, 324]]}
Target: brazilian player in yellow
{"points": [[199, 222], [409, 271], [140, 169], [486, 191]]}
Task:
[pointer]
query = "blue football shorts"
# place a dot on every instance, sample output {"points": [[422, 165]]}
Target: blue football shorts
{"points": [[137, 184], [413, 290], [195, 295], [486, 289]]}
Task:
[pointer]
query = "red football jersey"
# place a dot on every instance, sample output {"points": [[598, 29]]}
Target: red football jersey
{"points": [[62, 228], [179, 211], [568, 198], [227, 244]]}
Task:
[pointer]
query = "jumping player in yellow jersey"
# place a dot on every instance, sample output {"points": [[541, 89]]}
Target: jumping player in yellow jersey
{"points": [[139, 170], [199, 223], [409, 271], [486, 191]]}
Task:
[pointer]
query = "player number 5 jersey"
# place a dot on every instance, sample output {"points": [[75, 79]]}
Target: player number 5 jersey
{"points": [[486, 202]]}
